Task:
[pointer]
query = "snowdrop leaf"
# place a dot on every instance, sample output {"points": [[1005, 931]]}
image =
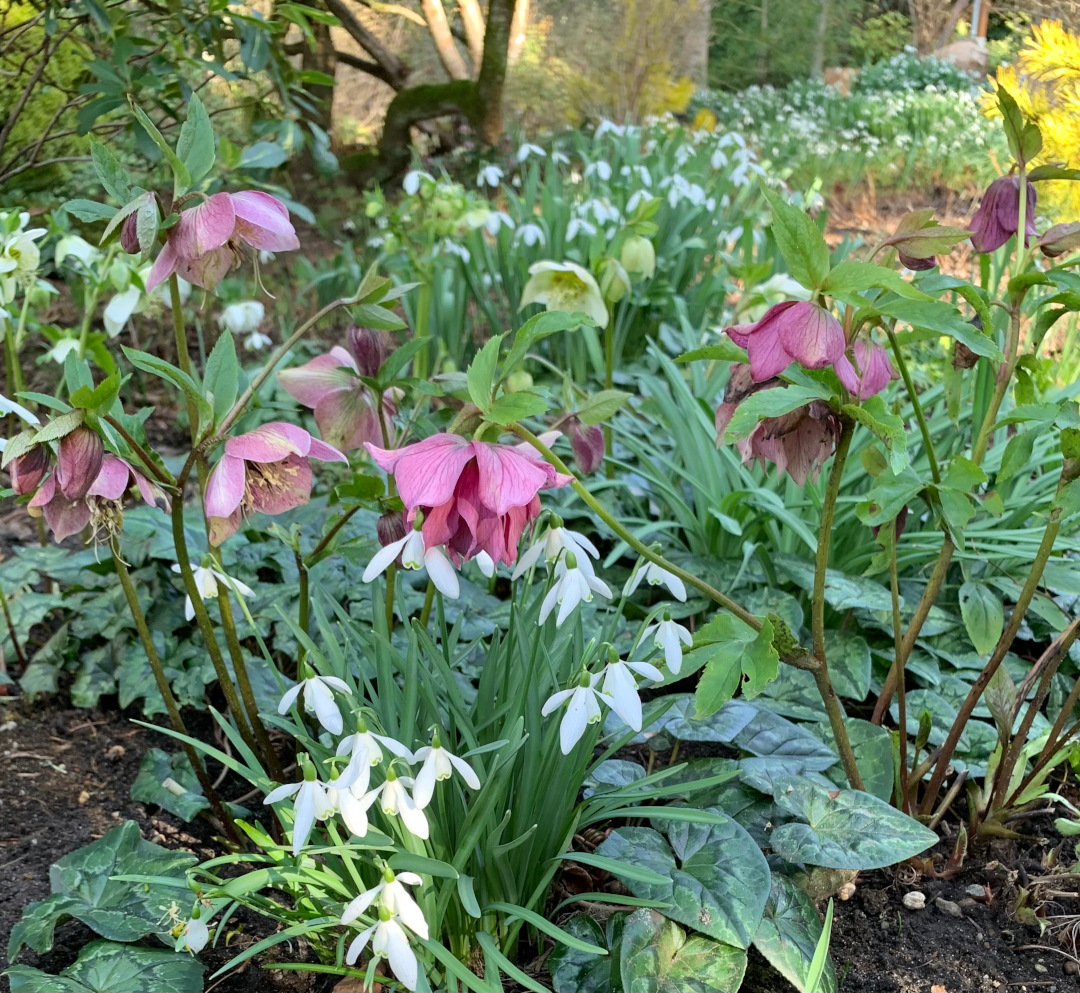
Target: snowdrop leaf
{"points": [[109, 967], [788, 935], [659, 957]]}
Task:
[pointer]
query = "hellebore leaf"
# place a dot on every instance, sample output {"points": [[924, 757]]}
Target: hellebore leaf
{"points": [[800, 241], [983, 614]]}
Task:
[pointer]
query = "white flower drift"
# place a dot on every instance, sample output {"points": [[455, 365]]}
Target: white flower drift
{"points": [[530, 235], [551, 544], [415, 555], [389, 940], [498, 219], [206, 582], [655, 576], [669, 638], [582, 709], [396, 801], [310, 803], [621, 687], [439, 764], [318, 700], [573, 585], [391, 893], [193, 936]]}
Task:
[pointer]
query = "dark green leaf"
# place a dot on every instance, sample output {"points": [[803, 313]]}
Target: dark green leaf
{"points": [[481, 373], [789, 932], [110, 173], [222, 376], [513, 407], [109, 967], [658, 957], [156, 767], [983, 615], [601, 406], [89, 210], [800, 242], [942, 318]]}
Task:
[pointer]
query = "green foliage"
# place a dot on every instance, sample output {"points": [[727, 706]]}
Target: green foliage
{"points": [[879, 38], [109, 967]]}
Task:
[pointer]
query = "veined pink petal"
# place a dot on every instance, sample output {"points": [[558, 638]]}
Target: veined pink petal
{"points": [[288, 487], [45, 493], [225, 487], [313, 381], [204, 227], [78, 462], [809, 333], [507, 477], [346, 418], [207, 270], [66, 517], [875, 367], [327, 453], [845, 371], [164, 266], [263, 221], [113, 480], [270, 443], [768, 357], [740, 333], [224, 527], [344, 358], [427, 472]]}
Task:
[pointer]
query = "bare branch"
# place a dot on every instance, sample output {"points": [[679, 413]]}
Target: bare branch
{"points": [[392, 69], [473, 21], [443, 40]]}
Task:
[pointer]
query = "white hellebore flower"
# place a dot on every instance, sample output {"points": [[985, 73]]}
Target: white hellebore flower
{"points": [[582, 709], [669, 637], [311, 803], [390, 942], [565, 286], [489, 175], [242, 317], [78, 248], [119, 309], [194, 936], [19, 259], [391, 894], [620, 685], [573, 585], [206, 583], [257, 341], [439, 764], [527, 149], [551, 544], [416, 555], [395, 801], [656, 576], [318, 700]]}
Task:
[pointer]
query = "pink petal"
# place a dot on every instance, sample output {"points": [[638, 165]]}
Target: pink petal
{"points": [[224, 527], [877, 369], [768, 358], [346, 419], [66, 517], [724, 413], [291, 487], [204, 227], [208, 270], [45, 494], [313, 381], [326, 453], [847, 375], [225, 487], [270, 443], [740, 333], [427, 472], [79, 458], [164, 266], [507, 477], [810, 334], [113, 480], [263, 222]]}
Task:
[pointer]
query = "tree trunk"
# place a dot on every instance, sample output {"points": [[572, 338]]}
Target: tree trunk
{"points": [[472, 19], [950, 26], [519, 28], [763, 45], [817, 62], [447, 51], [321, 59], [490, 82]]}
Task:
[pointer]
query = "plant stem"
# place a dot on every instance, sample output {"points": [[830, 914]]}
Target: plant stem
{"points": [[304, 609], [1001, 387], [817, 607], [429, 598], [89, 306], [924, 428], [898, 641], [167, 695], [609, 381], [313, 556], [11, 631], [184, 361], [638, 546], [160, 474]]}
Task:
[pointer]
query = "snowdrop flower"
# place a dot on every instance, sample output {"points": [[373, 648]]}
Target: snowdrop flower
{"points": [[206, 578], [71, 245], [531, 234], [119, 309], [395, 801], [582, 708], [601, 169], [489, 175], [610, 127], [527, 149], [498, 219], [318, 699], [411, 183], [311, 802], [485, 563], [573, 585], [560, 158], [552, 543], [11, 407], [194, 936], [657, 576], [669, 637], [578, 224], [391, 942], [620, 685], [346, 799], [636, 198], [439, 764], [391, 894], [257, 341], [453, 248], [242, 317], [365, 751], [416, 555]]}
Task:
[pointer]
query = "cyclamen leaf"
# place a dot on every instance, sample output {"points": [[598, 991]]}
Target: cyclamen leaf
{"points": [[110, 967], [659, 957], [788, 935]]}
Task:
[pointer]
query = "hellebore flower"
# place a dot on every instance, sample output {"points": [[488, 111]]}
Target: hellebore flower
{"points": [[998, 215], [206, 241], [638, 257], [265, 471], [620, 685], [656, 576], [19, 257], [794, 331], [29, 469], [318, 700], [565, 286], [474, 495], [391, 942], [439, 764], [574, 584], [875, 370], [79, 458], [330, 384], [206, 578], [582, 701], [416, 555], [669, 637]]}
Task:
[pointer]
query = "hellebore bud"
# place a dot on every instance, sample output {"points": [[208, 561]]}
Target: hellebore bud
{"points": [[368, 348], [28, 470], [587, 441], [129, 234], [998, 215], [1059, 239], [638, 257], [391, 527], [79, 462]]}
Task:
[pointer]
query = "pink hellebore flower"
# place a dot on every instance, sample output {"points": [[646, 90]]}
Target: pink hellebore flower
{"points": [[266, 471], [475, 495], [875, 370], [793, 331], [204, 243], [344, 407], [998, 216], [99, 506]]}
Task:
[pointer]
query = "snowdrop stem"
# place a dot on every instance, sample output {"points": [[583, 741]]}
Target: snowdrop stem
{"points": [[89, 309], [636, 544], [924, 428], [12, 339], [429, 598], [304, 608], [167, 694], [346, 856]]}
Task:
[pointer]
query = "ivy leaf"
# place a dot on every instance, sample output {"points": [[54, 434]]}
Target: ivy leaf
{"points": [[983, 614], [800, 242]]}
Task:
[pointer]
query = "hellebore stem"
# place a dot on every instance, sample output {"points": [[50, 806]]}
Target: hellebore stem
{"points": [[159, 474], [636, 544], [817, 607], [898, 641], [182, 356], [924, 428], [89, 306], [304, 609], [167, 695], [313, 556]]}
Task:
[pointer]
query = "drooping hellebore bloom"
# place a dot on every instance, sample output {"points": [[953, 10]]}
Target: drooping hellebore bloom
{"points": [[266, 471], [587, 443], [793, 331], [875, 370], [345, 408], [206, 241], [78, 462], [475, 495], [565, 286], [998, 216]]}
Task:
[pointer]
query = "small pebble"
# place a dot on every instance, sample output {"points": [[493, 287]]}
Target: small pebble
{"points": [[948, 907], [914, 900], [967, 903], [976, 892], [1039, 967], [1071, 967]]}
